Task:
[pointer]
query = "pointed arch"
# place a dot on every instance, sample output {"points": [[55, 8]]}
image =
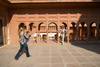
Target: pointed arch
{"points": [[21, 25], [52, 27], [93, 30], [41, 26]]}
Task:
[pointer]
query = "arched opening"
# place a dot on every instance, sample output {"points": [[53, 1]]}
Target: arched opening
{"points": [[65, 27], [82, 31], [93, 31], [64, 24], [42, 27], [32, 29], [73, 32], [52, 32], [52, 27], [42, 36], [31, 26], [21, 25]]}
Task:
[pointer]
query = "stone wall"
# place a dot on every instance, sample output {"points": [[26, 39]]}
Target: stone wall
{"points": [[47, 16]]}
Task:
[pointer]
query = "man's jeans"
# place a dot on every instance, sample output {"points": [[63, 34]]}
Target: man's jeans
{"points": [[21, 49]]}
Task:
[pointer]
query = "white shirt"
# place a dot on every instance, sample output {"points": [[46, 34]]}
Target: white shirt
{"points": [[62, 30]]}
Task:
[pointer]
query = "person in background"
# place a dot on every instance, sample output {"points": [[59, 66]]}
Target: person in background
{"points": [[23, 39], [62, 34]]}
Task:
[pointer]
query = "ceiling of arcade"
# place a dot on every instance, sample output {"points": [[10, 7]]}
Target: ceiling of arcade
{"points": [[49, 3]]}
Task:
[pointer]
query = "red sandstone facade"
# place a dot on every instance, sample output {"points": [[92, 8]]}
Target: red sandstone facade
{"points": [[44, 20]]}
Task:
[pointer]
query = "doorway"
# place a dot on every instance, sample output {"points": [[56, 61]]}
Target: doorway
{"points": [[1, 33]]}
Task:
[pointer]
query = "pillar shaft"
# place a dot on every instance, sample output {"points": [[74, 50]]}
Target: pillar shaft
{"points": [[82, 32], [47, 37], [73, 36], [97, 34], [37, 28], [88, 33], [68, 34], [58, 29], [58, 37], [77, 32]]}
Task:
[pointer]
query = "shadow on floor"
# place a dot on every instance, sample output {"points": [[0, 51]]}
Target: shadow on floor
{"points": [[95, 47], [1, 45]]}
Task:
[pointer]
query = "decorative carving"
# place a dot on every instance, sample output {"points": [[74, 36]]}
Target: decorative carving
{"points": [[73, 17], [21, 17]]}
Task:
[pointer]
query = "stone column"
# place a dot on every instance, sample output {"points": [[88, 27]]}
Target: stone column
{"points": [[74, 32], [8, 34], [73, 37], [77, 31], [47, 28], [3, 31], [27, 25], [68, 31], [68, 28], [58, 35], [58, 29], [97, 34], [82, 32], [47, 32], [47, 36], [37, 28], [39, 37], [88, 32]]}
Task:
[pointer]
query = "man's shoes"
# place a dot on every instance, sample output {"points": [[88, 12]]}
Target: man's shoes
{"points": [[15, 59], [29, 56]]}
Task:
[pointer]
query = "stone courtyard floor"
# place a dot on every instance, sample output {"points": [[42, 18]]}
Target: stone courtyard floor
{"points": [[56, 55]]}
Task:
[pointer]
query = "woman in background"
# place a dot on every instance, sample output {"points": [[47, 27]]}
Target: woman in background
{"points": [[62, 34]]}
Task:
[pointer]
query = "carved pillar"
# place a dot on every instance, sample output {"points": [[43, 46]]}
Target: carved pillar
{"points": [[27, 26], [47, 32], [37, 28], [88, 32], [47, 38], [58, 29], [77, 31], [82, 31], [3, 31], [73, 37], [37, 37], [74, 32], [68, 32], [58, 34], [97, 34]]}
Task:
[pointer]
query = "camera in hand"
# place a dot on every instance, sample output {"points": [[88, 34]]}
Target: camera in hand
{"points": [[27, 32], [29, 35]]}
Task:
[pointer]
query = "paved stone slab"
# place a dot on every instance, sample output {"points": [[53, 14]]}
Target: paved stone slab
{"points": [[43, 55]]}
